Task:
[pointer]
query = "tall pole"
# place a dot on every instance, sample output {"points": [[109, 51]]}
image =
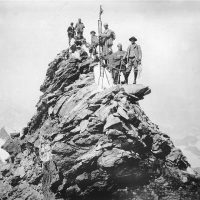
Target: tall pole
{"points": [[100, 47], [100, 30], [102, 68]]}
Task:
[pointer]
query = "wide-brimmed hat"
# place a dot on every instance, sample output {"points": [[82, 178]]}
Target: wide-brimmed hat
{"points": [[133, 38], [92, 32]]}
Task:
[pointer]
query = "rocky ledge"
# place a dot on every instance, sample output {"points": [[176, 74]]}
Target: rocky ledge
{"points": [[88, 144]]}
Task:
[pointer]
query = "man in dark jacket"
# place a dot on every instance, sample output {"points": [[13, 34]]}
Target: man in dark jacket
{"points": [[117, 64], [71, 32]]}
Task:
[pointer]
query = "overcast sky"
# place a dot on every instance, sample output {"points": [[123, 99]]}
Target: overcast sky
{"points": [[33, 32]]}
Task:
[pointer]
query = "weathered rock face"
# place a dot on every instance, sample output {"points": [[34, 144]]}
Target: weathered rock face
{"points": [[86, 144], [4, 135]]}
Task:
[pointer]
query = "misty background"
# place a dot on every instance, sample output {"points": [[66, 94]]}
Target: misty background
{"points": [[32, 33]]}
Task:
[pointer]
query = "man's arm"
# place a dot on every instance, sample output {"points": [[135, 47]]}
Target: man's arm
{"points": [[68, 30], [126, 55], [139, 53]]}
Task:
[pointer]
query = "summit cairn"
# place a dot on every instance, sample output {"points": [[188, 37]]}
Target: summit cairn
{"points": [[89, 143]]}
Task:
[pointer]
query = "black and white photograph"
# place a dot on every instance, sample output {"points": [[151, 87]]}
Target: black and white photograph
{"points": [[99, 100]]}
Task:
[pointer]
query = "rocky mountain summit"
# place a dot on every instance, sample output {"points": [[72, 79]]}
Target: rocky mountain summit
{"points": [[86, 143]]}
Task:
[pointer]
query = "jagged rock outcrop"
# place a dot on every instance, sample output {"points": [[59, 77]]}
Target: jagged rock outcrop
{"points": [[88, 144], [3, 134], [14, 135]]}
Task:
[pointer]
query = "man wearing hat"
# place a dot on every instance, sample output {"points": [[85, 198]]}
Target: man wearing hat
{"points": [[117, 63], [107, 38], [71, 32], [79, 27], [134, 56], [94, 43]]}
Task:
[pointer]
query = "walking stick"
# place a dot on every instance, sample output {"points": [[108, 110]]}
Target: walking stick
{"points": [[120, 68], [100, 48]]}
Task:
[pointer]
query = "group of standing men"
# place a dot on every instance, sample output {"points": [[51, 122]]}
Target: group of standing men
{"points": [[120, 62], [75, 32]]}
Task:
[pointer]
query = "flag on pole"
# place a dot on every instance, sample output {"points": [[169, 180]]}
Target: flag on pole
{"points": [[101, 10]]}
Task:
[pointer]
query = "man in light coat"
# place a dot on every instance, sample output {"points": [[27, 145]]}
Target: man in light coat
{"points": [[79, 27], [107, 38], [134, 57]]}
